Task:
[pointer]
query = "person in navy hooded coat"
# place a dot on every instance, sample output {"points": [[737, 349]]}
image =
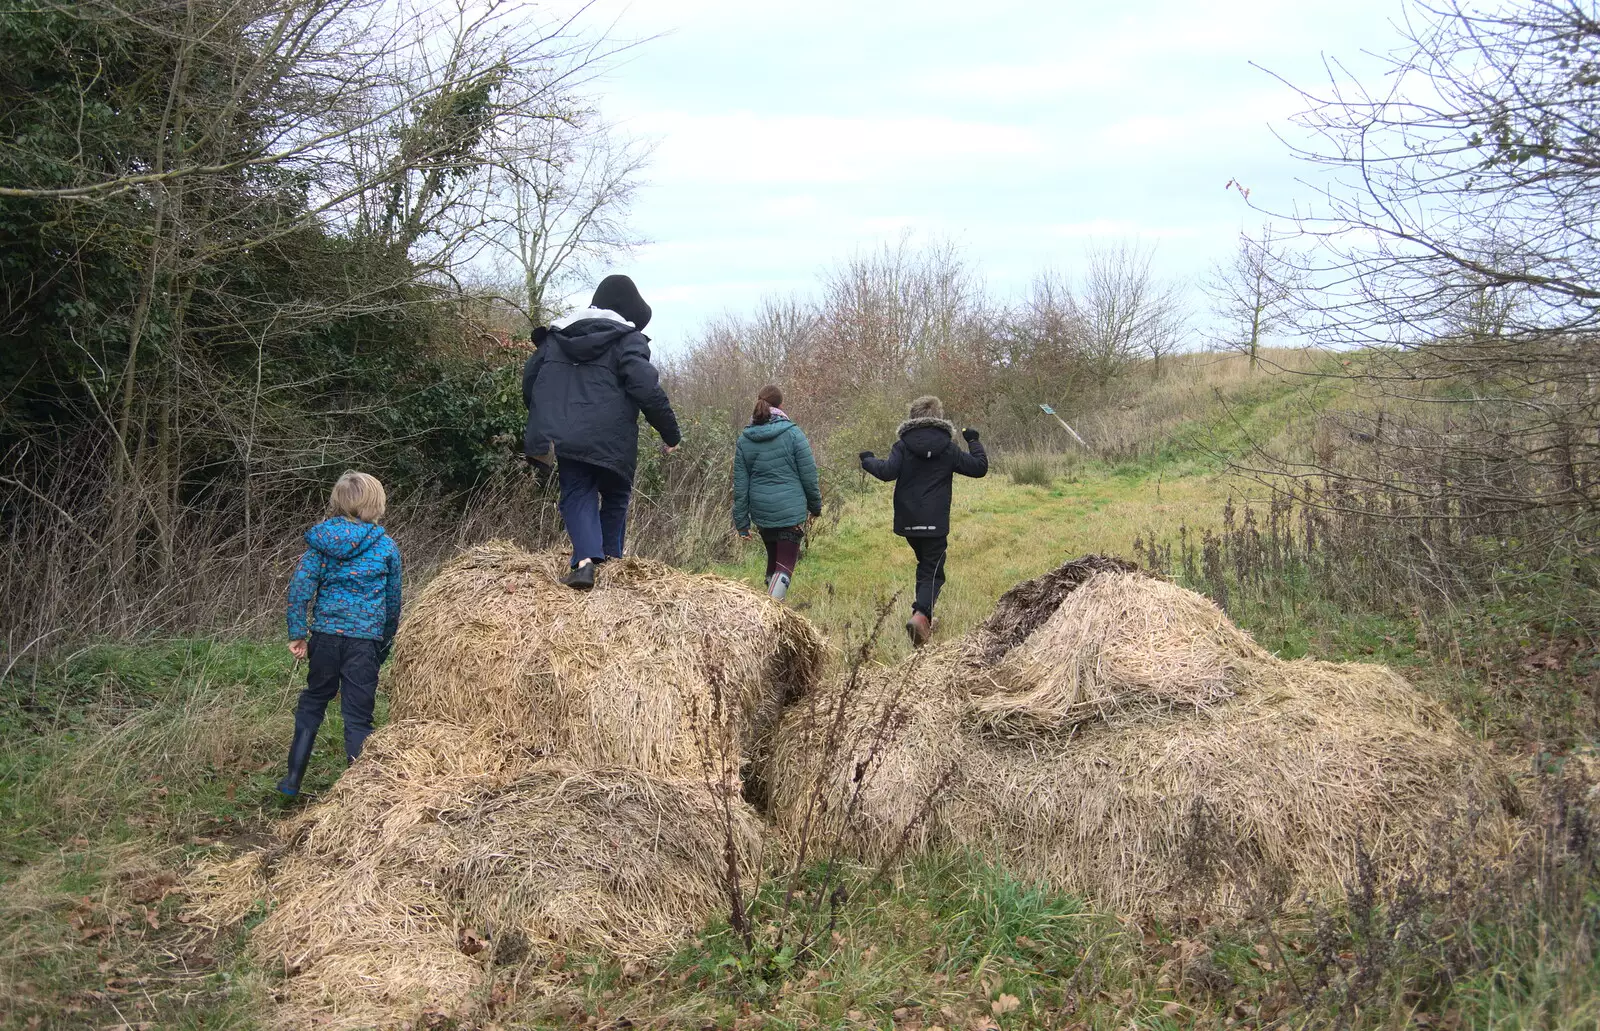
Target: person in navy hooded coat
{"points": [[922, 465], [585, 385], [344, 609]]}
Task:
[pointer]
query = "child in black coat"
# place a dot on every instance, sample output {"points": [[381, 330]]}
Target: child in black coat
{"points": [[585, 387], [922, 465]]}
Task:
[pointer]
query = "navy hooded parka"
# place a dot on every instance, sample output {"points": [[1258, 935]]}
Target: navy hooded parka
{"points": [[584, 386]]}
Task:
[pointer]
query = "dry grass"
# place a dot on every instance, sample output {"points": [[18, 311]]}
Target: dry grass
{"points": [[1138, 748], [1152, 409], [616, 677], [442, 852], [1280, 791], [852, 764]]}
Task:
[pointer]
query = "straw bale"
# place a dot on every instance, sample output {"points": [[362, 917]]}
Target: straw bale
{"points": [[852, 762], [1116, 641], [632, 674], [1277, 791], [1158, 758], [438, 830], [615, 861]]}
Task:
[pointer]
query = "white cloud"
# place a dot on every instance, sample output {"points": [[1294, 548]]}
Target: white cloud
{"points": [[793, 135], [742, 147]]}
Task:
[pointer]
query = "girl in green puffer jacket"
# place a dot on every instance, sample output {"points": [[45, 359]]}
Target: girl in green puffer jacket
{"points": [[775, 487]]}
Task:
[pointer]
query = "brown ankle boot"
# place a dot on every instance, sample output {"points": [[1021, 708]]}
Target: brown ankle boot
{"points": [[919, 629]]}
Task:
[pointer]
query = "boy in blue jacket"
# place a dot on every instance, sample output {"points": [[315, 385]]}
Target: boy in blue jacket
{"points": [[344, 609]]}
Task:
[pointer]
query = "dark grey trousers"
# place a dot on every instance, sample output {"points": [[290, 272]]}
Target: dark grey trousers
{"points": [[348, 667]]}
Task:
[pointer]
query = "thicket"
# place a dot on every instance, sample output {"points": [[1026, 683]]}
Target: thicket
{"points": [[887, 325], [231, 243]]}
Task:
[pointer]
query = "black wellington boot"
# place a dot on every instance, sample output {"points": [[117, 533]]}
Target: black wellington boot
{"points": [[299, 756]]}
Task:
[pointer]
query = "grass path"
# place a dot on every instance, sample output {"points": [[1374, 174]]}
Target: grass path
{"points": [[1002, 533]]}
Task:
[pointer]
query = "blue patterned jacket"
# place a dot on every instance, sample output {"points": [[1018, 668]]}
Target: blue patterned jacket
{"points": [[348, 583]]}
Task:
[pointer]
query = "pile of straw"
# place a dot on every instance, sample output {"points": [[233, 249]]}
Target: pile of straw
{"points": [[441, 853], [1023, 609], [860, 761], [631, 674], [564, 772], [1123, 641], [1135, 746]]}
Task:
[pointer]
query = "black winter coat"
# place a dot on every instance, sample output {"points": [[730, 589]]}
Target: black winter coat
{"points": [[922, 464], [585, 386]]}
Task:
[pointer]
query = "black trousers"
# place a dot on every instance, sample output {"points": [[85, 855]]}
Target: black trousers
{"points": [[348, 667], [930, 571]]}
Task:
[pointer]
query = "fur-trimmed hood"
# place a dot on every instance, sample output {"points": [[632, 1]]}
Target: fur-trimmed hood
{"points": [[926, 423], [926, 436]]}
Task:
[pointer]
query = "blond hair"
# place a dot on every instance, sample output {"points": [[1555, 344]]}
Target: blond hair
{"points": [[358, 496]]}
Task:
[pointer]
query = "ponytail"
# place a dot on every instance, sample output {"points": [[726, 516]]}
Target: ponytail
{"points": [[769, 398]]}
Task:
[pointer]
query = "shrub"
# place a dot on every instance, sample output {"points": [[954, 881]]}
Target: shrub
{"points": [[1035, 470]]}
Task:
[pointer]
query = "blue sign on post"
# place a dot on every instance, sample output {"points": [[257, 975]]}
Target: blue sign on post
{"points": [[1046, 409]]}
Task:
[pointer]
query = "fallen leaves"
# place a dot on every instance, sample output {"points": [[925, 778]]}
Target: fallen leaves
{"points": [[471, 942], [92, 920], [153, 888]]}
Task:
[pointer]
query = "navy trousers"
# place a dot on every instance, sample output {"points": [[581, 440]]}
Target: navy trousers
{"points": [[594, 505], [348, 667]]}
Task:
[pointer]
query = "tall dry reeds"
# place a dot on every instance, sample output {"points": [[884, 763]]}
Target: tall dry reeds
{"points": [[66, 580]]}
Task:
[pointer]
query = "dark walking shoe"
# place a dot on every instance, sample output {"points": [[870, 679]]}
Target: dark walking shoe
{"points": [[919, 629], [581, 578]]}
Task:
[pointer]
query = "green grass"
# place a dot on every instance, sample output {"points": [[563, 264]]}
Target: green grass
{"points": [[119, 767], [957, 942], [1001, 533], [1033, 512]]}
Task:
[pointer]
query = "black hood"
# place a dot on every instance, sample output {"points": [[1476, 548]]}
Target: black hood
{"points": [[925, 438], [618, 294], [588, 339]]}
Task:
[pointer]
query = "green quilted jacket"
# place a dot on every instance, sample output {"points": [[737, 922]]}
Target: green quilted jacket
{"points": [[774, 477]]}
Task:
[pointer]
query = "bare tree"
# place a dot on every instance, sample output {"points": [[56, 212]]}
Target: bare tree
{"points": [[1043, 342], [734, 357], [1252, 293], [1472, 171], [1456, 242], [890, 311], [560, 202], [1125, 312]]}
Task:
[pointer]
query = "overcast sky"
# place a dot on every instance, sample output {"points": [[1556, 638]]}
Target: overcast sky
{"points": [[791, 135]]}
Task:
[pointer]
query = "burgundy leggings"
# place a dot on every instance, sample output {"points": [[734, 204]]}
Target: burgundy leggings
{"points": [[783, 549]]}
